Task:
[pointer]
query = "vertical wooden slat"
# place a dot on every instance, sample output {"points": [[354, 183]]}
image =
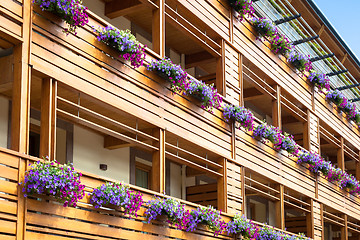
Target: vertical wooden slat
{"points": [[340, 155], [21, 85], [276, 111], [48, 118], [158, 28], [344, 230], [21, 208], [243, 193], [310, 220], [158, 163], [222, 187], [280, 210], [220, 71], [241, 79]]}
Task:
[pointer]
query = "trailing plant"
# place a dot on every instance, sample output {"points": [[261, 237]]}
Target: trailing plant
{"points": [[119, 195], [356, 117], [269, 234], [288, 144], [320, 80], [171, 208], [239, 114], [280, 44], [207, 94], [268, 133], [208, 216], [264, 27], [336, 97], [243, 7], [51, 178], [242, 227], [123, 41], [315, 162], [71, 11], [177, 77], [299, 61]]}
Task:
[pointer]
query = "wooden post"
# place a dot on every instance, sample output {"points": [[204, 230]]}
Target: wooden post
{"points": [[280, 210], [310, 228], [243, 192], [220, 70], [221, 187], [158, 163], [357, 170], [158, 28], [21, 86], [344, 230], [340, 155], [241, 80], [48, 118], [276, 111]]}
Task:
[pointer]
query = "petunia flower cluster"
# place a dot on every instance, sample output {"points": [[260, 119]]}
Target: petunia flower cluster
{"points": [[71, 11], [280, 44], [119, 195], [207, 94], [274, 135], [243, 7], [344, 105], [123, 41], [177, 77], [264, 27], [317, 165], [246, 229], [239, 115], [51, 178], [320, 80], [208, 216], [171, 208], [299, 61]]}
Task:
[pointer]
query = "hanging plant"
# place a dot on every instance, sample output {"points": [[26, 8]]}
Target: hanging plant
{"points": [[280, 44], [240, 115], [242, 227], [171, 208], [299, 61], [51, 178], [320, 80], [207, 216], [288, 144], [119, 195], [336, 97], [124, 42], [264, 27], [315, 162], [177, 77], [71, 11], [268, 133], [207, 94], [243, 7]]}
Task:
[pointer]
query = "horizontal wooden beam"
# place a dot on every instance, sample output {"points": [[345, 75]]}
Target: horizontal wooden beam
{"points": [[198, 59], [117, 8]]}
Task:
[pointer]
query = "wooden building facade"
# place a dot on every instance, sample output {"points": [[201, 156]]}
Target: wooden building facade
{"points": [[70, 97]]}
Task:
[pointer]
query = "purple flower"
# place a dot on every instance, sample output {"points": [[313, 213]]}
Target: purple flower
{"points": [[71, 11], [299, 61], [280, 44], [60, 181], [264, 27], [320, 80], [243, 7], [239, 114], [177, 77], [123, 41], [119, 195]]}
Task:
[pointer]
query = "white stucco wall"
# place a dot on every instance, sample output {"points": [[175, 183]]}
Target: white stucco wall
{"points": [[89, 153], [4, 121], [175, 180]]}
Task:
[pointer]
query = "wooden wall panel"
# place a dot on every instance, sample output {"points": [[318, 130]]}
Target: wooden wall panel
{"points": [[8, 195], [313, 122], [66, 63], [232, 76], [234, 189], [317, 218], [11, 18], [210, 15]]}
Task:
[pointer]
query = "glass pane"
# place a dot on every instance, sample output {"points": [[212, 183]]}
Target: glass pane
{"points": [[141, 178]]}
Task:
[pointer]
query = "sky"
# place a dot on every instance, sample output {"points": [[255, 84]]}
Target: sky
{"points": [[344, 16]]}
